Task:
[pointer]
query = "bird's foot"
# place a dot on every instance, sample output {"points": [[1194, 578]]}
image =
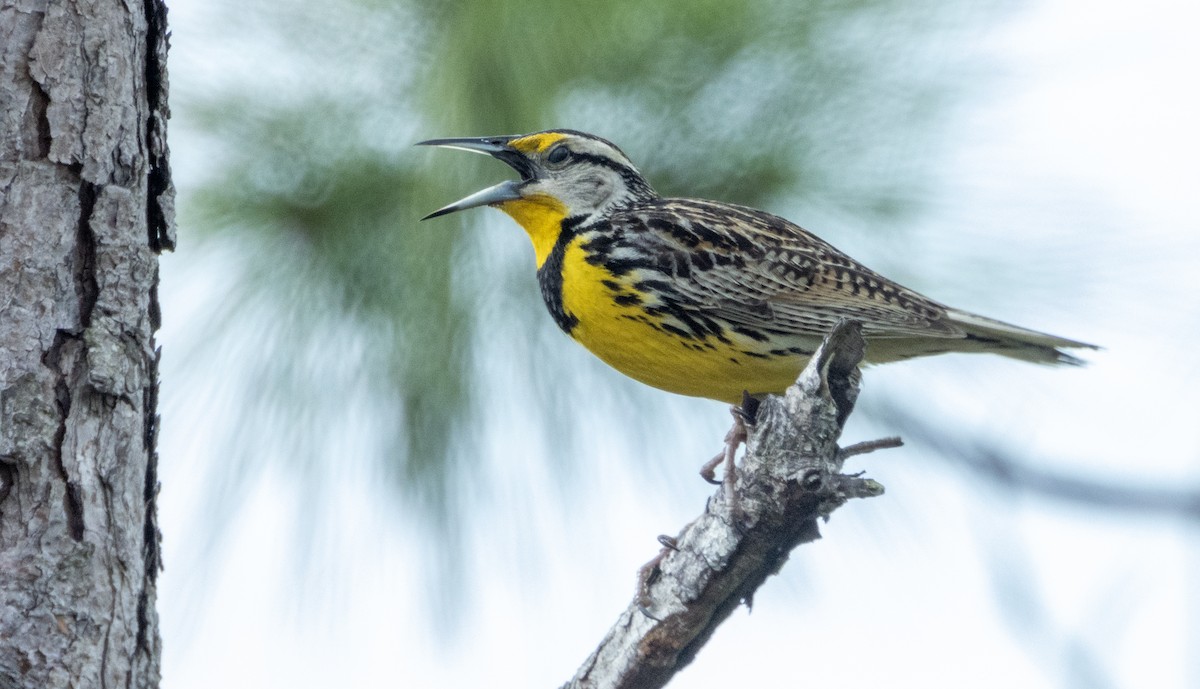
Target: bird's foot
{"points": [[742, 415]]}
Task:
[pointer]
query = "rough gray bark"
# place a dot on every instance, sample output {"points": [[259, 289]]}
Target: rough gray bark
{"points": [[86, 205], [787, 481]]}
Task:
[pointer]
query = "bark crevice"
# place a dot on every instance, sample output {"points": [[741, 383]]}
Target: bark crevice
{"points": [[87, 286], [39, 104], [8, 478], [55, 359], [160, 210]]}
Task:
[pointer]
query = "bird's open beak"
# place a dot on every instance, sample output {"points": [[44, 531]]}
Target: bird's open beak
{"points": [[497, 147]]}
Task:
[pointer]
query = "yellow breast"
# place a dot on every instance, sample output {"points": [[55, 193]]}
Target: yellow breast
{"points": [[626, 337], [634, 342]]}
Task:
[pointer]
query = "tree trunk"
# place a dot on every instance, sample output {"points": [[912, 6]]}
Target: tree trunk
{"points": [[86, 205]]}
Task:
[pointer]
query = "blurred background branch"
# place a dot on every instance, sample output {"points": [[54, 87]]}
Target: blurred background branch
{"points": [[999, 468]]}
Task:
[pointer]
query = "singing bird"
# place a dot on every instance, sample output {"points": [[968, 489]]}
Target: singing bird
{"points": [[705, 298]]}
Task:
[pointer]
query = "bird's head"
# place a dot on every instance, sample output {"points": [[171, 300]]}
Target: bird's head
{"points": [[564, 174]]}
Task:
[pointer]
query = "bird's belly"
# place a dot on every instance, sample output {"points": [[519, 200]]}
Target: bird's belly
{"points": [[613, 323]]}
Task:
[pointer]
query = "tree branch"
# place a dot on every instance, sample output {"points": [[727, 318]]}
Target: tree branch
{"points": [[788, 479]]}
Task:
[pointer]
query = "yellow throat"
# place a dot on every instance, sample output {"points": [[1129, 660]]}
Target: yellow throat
{"points": [[542, 217]]}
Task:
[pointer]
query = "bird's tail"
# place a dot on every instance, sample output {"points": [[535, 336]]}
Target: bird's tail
{"points": [[988, 335]]}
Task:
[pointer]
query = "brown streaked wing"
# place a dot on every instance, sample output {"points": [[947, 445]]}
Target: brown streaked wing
{"points": [[757, 269]]}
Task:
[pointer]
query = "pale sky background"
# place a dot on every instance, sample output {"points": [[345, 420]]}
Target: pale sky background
{"points": [[1084, 146]]}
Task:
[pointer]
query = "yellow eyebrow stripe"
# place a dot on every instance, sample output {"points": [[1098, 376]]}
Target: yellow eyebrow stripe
{"points": [[536, 143]]}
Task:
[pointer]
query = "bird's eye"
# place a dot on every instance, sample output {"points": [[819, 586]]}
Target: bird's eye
{"points": [[558, 155]]}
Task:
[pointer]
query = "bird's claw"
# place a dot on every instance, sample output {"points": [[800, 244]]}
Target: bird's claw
{"points": [[733, 439]]}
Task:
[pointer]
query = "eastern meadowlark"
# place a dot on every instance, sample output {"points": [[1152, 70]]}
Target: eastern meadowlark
{"points": [[705, 298]]}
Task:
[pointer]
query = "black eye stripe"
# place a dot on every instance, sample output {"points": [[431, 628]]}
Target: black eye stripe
{"points": [[601, 161], [632, 178]]}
